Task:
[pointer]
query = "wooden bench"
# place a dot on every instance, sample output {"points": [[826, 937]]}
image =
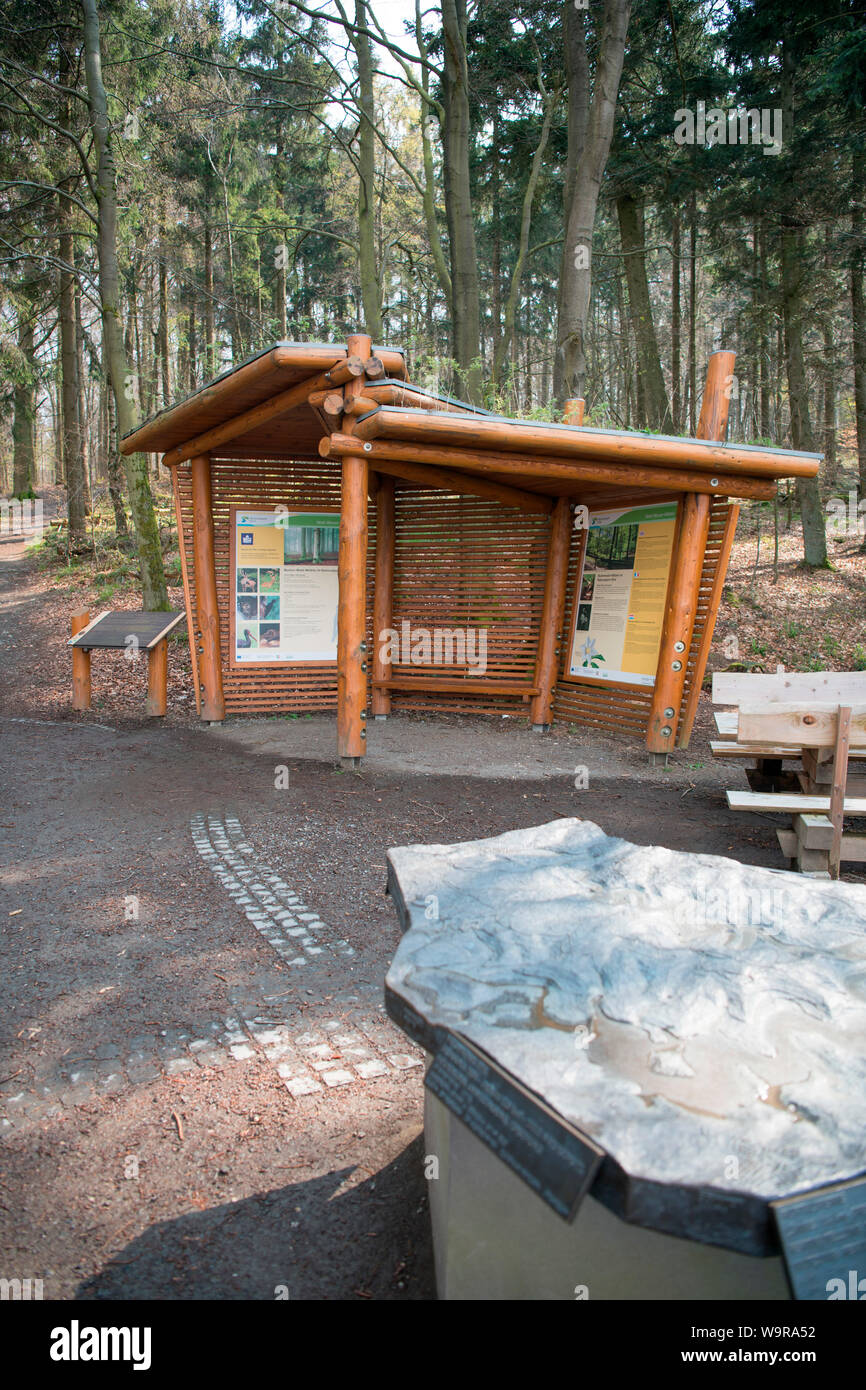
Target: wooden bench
{"points": [[456, 686], [132, 632], [827, 734]]}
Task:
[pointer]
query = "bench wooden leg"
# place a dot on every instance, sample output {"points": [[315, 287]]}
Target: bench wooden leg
{"points": [[157, 678], [80, 666]]}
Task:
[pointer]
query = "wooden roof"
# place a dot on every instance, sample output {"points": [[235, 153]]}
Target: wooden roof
{"points": [[242, 388], [261, 409]]}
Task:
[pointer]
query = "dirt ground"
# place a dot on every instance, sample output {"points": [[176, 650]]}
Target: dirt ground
{"points": [[200, 1095]]}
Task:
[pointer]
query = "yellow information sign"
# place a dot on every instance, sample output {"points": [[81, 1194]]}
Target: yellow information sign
{"points": [[623, 584]]}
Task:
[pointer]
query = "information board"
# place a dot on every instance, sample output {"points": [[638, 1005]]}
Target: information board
{"points": [[823, 1238], [550, 1156], [621, 593], [285, 586]]}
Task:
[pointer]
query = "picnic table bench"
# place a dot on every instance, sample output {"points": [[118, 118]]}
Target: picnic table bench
{"points": [[817, 720]]}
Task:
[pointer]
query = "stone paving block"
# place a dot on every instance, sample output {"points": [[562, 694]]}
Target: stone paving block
{"points": [[177, 1065], [142, 1070], [212, 1057], [404, 1061], [337, 1078], [302, 1086], [367, 1070], [112, 1082], [242, 1052]]}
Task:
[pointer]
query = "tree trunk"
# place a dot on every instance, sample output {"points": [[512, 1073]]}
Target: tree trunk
{"points": [[793, 274], [763, 337], [858, 309], [465, 293], [73, 446], [209, 332], [693, 316], [523, 247], [651, 382], [808, 489], [138, 485], [24, 409], [592, 125], [371, 285], [676, 313], [165, 360]]}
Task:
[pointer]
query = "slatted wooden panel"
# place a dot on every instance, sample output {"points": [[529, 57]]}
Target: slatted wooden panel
{"points": [[718, 520], [469, 563], [627, 709], [459, 563]]}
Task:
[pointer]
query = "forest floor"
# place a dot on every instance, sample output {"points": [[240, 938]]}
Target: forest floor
{"points": [[198, 1100]]}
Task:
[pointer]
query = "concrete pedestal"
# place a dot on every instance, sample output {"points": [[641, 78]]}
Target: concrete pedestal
{"points": [[495, 1239]]}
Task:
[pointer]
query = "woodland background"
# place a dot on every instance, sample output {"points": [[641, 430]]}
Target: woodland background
{"points": [[495, 187]]}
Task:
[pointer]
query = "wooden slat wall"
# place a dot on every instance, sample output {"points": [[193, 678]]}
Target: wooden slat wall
{"points": [[465, 562], [459, 563], [265, 484], [608, 708]]}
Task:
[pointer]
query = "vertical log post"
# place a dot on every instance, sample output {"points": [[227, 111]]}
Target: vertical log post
{"points": [[157, 678], [574, 409], [213, 708], [837, 791], [684, 588], [552, 616], [352, 653], [383, 598], [80, 666]]}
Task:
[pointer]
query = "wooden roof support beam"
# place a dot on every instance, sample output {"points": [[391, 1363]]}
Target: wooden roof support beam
{"points": [[350, 370], [352, 613], [360, 405], [577, 471], [449, 480], [682, 600], [525, 437], [388, 393], [374, 368], [550, 634], [213, 707], [715, 599]]}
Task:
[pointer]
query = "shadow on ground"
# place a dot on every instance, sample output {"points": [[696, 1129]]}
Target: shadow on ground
{"points": [[372, 1241]]}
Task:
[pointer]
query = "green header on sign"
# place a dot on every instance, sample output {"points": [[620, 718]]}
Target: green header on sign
{"points": [[665, 511]]}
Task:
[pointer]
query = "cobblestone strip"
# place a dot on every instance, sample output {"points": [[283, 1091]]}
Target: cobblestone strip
{"points": [[296, 933], [335, 1053]]}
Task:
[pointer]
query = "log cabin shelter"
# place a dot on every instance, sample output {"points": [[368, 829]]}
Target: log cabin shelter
{"points": [[351, 542]]}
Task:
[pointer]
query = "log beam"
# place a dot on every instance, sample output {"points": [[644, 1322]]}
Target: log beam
{"points": [[552, 616], [213, 708], [525, 437], [351, 629], [532, 467], [467, 484], [684, 587]]}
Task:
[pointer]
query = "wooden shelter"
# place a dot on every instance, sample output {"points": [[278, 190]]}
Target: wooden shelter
{"points": [[413, 513]]}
